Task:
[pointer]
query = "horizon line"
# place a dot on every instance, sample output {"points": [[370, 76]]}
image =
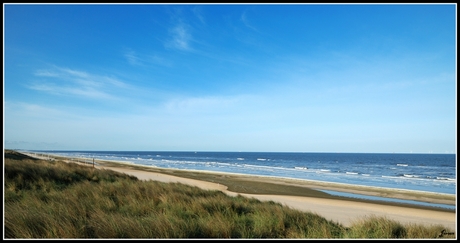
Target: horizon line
{"points": [[218, 151]]}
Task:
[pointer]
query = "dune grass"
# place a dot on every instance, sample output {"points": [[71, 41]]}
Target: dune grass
{"points": [[54, 199]]}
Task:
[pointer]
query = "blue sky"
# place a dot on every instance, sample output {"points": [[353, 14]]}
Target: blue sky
{"points": [[227, 77]]}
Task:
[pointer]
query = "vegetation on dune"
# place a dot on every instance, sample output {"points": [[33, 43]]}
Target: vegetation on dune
{"points": [[55, 199]]}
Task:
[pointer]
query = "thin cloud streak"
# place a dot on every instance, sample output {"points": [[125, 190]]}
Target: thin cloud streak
{"points": [[197, 11], [180, 38], [143, 60], [245, 21], [65, 81], [178, 32], [132, 58]]}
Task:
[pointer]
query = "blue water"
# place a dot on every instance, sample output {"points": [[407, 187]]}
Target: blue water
{"points": [[376, 198], [421, 172]]}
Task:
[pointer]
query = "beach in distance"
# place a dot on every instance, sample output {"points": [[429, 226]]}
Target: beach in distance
{"points": [[302, 194]]}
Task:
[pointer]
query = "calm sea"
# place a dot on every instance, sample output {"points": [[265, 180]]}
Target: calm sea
{"points": [[422, 172]]}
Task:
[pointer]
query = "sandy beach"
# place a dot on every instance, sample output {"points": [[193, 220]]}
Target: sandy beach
{"points": [[341, 211]]}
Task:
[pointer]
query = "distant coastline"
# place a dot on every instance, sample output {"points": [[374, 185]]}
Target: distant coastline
{"points": [[366, 191]]}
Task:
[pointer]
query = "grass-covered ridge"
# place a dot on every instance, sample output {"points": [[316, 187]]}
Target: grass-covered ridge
{"points": [[54, 199]]}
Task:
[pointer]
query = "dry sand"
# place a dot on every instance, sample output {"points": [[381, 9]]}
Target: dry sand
{"points": [[341, 211]]}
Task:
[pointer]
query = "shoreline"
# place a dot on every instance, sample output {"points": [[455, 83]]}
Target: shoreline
{"points": [[300, 194], [394, 193]]}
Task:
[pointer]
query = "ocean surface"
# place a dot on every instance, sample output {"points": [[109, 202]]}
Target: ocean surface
{"points": [[421, 172]]}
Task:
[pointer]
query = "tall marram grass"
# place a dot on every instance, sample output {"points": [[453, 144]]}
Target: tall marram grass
{"points": [[54, 199]]}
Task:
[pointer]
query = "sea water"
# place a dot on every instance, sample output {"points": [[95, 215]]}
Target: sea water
{"points": [[420, 172]]}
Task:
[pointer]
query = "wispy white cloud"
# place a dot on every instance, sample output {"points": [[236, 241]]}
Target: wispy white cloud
{"points": [[244, 19], [66, 81], [132, 58], [180, 37], [179, 32], [60, 72], [46, 73], [75, 73], [197, 11], [87, 91], [144, 60]]}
